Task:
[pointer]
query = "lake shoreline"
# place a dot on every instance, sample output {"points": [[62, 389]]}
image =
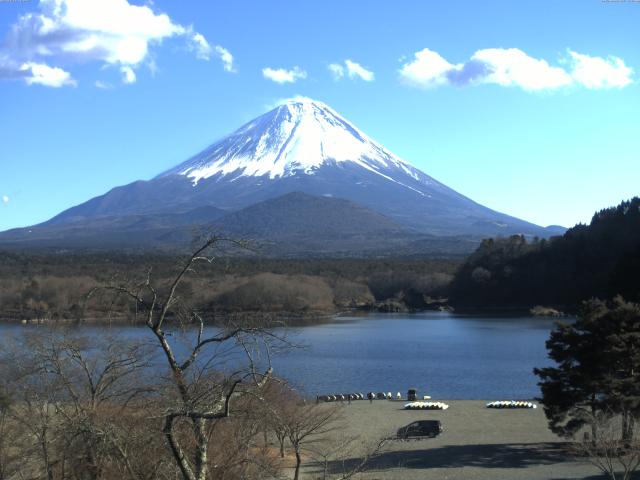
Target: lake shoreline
{"points": [[292, 319]]}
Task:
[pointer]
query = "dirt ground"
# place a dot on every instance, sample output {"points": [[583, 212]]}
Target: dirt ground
{"points": [[477, 443]]}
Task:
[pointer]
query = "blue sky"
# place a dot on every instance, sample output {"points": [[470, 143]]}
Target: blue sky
{"points": [[530, 108]]}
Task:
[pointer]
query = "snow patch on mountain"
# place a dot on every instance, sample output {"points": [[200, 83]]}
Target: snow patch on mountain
{"points": [[297, 137]]}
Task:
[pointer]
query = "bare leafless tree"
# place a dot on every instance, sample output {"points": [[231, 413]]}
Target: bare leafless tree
{"points": [[338, 453], [75, 398], [10, 438], [308, 425], [105, 407], [613, 449], [33, 410], [203, 389]]}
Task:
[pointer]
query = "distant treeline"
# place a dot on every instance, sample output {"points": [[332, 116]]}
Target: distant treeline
{"points": [[597, 260], [53, 286]]}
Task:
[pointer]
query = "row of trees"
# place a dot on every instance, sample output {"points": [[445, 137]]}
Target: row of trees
{"points": [[75, 407], [55, 288]]}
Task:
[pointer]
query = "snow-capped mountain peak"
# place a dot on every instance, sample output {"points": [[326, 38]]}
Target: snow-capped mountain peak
{"points": [[271, 178], [297, 137]]}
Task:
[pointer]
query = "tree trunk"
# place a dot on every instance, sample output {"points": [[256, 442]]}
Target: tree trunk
{"points": [[176, 450], [594, 426], [296, 475], [45, 454], [627, 427], [202, 465]]}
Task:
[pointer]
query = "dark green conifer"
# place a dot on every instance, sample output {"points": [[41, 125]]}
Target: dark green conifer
{"points": [[597, 368]]}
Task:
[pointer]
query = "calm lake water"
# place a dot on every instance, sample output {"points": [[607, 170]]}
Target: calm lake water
{"points": [[447, 356], [444, 355]]}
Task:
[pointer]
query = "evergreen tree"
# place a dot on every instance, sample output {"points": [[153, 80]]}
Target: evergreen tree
{"points": [[598, 368], [621, 325]]}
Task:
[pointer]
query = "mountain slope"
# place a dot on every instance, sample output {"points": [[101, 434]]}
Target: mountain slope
{"points": [[302, 214], [301, 146], [297, 222], [113, 231]]}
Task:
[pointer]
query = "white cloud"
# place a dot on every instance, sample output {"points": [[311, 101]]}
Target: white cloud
{"points": [[128, 75], [336, 70], [280, 75], [352, 69], [356, 70], [200, 46], [226, 57], [598, 72], [152, 66], [41, 74], [113, 32], [203, 51], [5, 199], [103, 85], [427, 69], [514, 68]]}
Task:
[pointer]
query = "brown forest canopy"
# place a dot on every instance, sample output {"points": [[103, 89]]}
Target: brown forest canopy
{"points": [[36, 285]]}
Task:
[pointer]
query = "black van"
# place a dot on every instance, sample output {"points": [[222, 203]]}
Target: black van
{"points": [[420, 429]]}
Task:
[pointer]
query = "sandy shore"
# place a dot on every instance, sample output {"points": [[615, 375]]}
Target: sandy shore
{"points": [[477, 443]]}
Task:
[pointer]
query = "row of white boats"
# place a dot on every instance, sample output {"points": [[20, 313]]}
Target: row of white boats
{"points": [[342, 397], [444, 406], [418, 405], [511, 404], [426, 406]]}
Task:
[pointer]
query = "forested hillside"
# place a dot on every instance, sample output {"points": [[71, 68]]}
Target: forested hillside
{"points": [[54, 286], [601, 259]]}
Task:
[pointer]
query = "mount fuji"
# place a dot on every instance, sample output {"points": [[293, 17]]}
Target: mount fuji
{"points": [[297, 163]]}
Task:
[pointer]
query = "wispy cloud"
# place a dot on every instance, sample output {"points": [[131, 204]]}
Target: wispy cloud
{"points": [[226, 58], [200, 46], [5, 199], [128, 75], [351, 69], [280, 75], [67, 32], [355, 70], [514, 68], [203, 50], [337, 70], [102, 85]]}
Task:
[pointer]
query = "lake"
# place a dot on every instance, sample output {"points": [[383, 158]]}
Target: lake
{"points": [[447, 356], [444, 355]]}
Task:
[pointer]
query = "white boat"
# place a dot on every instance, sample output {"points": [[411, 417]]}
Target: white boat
{"points": [[426, 406]]}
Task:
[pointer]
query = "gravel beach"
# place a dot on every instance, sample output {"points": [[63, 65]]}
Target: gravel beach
{"points": [[477, 443]]}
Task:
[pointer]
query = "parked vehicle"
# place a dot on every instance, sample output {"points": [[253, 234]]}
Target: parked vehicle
{"points": [[412, 395], [420, 429]]}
